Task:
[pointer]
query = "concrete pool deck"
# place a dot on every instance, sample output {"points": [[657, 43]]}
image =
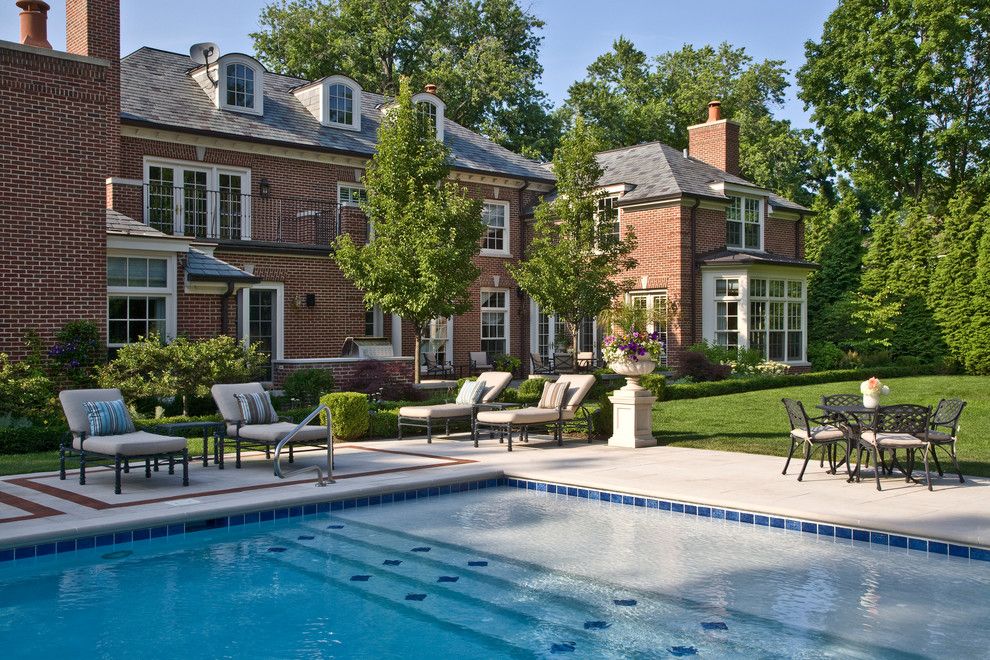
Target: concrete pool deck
{"points": [[39, 507]]}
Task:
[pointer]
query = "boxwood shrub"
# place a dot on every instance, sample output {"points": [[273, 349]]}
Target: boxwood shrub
{"points": [[349, 414]]}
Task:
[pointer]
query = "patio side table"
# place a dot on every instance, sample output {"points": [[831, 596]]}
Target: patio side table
{"points": [[219, 434]]}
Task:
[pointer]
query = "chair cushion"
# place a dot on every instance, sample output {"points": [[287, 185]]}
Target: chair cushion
{"points": [[470, 392], [138, 443], [272, 433], [578, 386], [553, 395], [522, 416], [108, 417], [892, 440], [495, 383], [256, 408], [223, 396], [939, 437], [439, 411], [75, 412], [819, 433]]}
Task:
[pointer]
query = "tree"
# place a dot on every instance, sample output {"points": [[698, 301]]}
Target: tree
{"points": [[901, 92], [573, 263], [483, 55], [427, 230], [631, 98]]}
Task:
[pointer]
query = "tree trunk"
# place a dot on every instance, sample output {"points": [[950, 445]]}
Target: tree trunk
{"points": [[185, 405], [416, 353]]}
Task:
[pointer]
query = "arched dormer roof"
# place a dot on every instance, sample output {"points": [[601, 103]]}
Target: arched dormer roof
{"points": [[240, 83], [335, 101]]}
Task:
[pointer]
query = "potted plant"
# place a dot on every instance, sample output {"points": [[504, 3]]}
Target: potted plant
{"points": [[632, 353], [872, 390]]}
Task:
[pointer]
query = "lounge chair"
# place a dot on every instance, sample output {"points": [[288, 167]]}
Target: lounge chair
{"points": [[811, 433], [504, 421], [479, 361], [122, 447], [434, 368], [423, 417], [539, 366], [264, 436]]}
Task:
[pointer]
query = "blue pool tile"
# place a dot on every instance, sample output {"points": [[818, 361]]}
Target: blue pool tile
{"points": [[717, 513], [763, 521], [337, 505], [552, 488], [295, 511], [7, 554], [362, 501], [938, 548], [777, 522], [142, 534], [592, 495], [652, 503], [628, 500], [746, 518], [954, 550], [680, 651], [434, 491], [235, 520], [448, 578], [861, 535], [732, 515], [281, 514], [473, 485], [879, 538], [690, 509], [415, 596], [305, 537], [979, 554], [123, 537], [918, 544], [809, 527], [572, 491], [388, 498], [25, 552], [843, 533], [597, 625], [374, 500], [477, 563], [107, 539], [276, 549], [348, 504], [826, 530], [173, 530], [267, 516], [250, 518], [398, 497], [391, 562], [65, 546], [360, 578], [664, 505], [424, 492], [44, 549], [445, 490], [541, 487], [530, 485], [309, 509], [705, 511], [615, 498], [563, 647], [510, 482], [323, 507], [714, 625], [422, 548], [491, 483], [677, 507], [625, 602], [87, 542], [897, 541], [793, 525]]}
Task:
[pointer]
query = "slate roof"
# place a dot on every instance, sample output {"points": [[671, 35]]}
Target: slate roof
{"points": [[118, 223], [206, 268], [660, 171], [731, 257], [157, 90]]}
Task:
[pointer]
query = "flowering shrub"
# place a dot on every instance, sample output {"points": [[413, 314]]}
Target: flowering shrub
{"points": [[873, 387], [771, 368], [633, 345]]}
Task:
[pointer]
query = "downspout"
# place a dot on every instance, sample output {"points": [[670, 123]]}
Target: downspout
{"points": [[694, 268], [224, 311]]}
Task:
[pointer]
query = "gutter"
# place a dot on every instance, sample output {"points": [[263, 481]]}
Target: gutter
{"points": [[694, 268]]}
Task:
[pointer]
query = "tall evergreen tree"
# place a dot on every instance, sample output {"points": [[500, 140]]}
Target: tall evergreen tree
{"points": [[977, 357]]}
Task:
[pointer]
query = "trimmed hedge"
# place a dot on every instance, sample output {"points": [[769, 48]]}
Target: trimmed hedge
{"points": [[349, 412], [531, 389], [737, 385], [28, 439]]}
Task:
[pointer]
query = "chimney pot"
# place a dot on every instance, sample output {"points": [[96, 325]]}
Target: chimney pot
{"points": [[430, 89], [714, 111], [34, 23]]}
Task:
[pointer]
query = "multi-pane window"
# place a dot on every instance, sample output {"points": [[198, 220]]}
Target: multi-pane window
{"points": [[161, 198], [137, 297], [374, 322], [201, 202], [427, 113], [776, 318], [494, 215], [727, 312], [434, 340], [608, 219], [240, 85], [352, 195], [495, 321], [231, 205], [340, 104], [743, 223], [656, 303], [194, 203]]}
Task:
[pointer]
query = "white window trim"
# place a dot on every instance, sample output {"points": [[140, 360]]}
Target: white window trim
{"points": [[803, 300], [654, 293], [507, 235], [344, 184], [213, 173], [436, 102], [507, 310], [169, 292], [534, 330], [761, 212], [355, 124], [245, 302], [379, 321], [259, 83], [448, 343]]}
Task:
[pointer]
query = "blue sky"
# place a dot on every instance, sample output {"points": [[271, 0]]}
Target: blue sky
{"points": [[577, 31]]}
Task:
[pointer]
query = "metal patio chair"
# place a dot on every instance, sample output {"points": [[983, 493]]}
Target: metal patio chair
{"points": [[434, 368], [944, 430], [904, 426], [480, 361], [539, 365], [811, 436]]}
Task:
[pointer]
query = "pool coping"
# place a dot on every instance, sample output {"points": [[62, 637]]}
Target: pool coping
{"points": [[107, 535]]}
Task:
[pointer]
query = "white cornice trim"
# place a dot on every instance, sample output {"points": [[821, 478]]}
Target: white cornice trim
{"points": [[122, 181]]}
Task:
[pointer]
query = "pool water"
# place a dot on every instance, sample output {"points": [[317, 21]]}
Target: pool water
{"points": [[496, 573]]}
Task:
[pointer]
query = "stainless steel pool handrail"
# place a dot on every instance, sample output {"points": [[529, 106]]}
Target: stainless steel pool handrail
{"points": [[321, 482]]}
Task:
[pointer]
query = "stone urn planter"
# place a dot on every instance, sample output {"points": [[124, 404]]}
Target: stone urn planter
{"points": [[633, 370]]}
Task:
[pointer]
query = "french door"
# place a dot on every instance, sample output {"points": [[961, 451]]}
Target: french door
{"points": [[200, 202]]}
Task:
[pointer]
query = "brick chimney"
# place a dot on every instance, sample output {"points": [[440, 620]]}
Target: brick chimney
{"points": [[716, 142], [34, 23]]}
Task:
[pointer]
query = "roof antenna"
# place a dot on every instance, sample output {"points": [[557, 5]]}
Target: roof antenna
{"points": [[205, 53]]}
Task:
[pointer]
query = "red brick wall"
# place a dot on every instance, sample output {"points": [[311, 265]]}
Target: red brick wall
{"points": [[58, 135], [393, 371], [717, 144]]}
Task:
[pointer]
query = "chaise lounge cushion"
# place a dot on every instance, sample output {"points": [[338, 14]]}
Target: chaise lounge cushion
{"points": [[223, 396], [439, 411], [523, 416], [578, 386], [272, 433], [138, 443]]}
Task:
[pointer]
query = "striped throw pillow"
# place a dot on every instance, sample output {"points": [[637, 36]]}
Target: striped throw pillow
{"points": [[470, 393], [256, 408], [553, 395], [108, 417]]}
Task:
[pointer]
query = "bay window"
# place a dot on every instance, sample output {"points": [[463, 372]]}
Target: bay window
{"points": [[727, 312], [776, 318]]}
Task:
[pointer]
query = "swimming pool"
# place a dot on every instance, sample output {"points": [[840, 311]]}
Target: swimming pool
{"points": [[496, 573]]}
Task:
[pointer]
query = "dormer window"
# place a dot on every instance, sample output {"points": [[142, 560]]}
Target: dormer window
{"points": [[430, 111], [335, 101], [340, 104], [235, 82]]}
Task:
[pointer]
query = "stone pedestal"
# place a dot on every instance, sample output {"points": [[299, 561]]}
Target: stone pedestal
{"points": [[632, 417]]}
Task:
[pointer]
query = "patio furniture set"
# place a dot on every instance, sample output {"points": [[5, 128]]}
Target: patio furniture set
{"points": [[848, 425], [480, 362]]}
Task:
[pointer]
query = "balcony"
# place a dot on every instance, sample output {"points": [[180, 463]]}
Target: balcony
{"points": [[231, 218]]}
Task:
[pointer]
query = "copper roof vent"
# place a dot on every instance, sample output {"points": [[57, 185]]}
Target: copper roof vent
{"points": [[34, 23], [714, 111]]}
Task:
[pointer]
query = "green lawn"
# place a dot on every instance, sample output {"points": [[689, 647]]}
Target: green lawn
{"points": [[755, 422]]}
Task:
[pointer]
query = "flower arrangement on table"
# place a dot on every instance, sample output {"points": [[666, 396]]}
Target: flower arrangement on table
{"points": [[632, 346], [872, 390]]}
